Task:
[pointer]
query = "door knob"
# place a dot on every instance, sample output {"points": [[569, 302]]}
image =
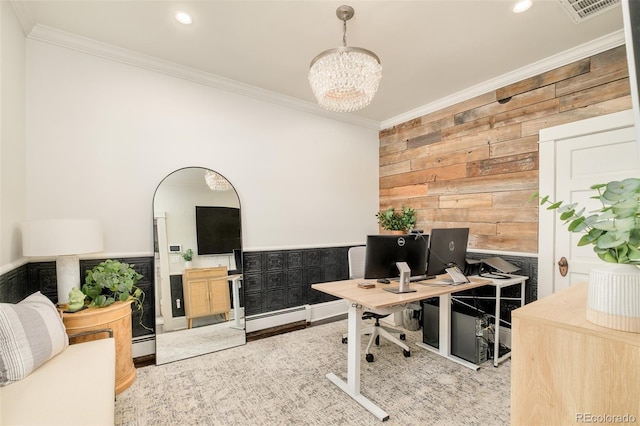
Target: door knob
{"points": [[563, 265]]}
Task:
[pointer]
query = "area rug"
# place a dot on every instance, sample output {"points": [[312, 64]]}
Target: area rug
{"points": [[280, 380]]}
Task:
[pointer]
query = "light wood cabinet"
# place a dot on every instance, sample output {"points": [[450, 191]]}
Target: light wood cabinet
{"points": [[206, 293], [566, 370]]}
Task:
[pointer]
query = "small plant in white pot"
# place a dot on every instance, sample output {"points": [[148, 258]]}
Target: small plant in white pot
{"points": [[188, 258], [614, 232]]}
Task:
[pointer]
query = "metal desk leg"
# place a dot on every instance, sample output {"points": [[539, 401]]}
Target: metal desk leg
{"points": [[235, 289], [444, 329], [496, 358], [354, 348]]}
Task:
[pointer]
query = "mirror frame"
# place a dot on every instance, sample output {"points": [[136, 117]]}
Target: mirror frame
{"points": [[163, 272]]}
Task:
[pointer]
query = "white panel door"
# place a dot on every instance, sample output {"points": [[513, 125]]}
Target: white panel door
{"points": [[582, 162], [572, 158]]}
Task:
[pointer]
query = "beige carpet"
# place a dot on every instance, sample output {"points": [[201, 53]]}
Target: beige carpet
{"points": [[281, 380]]}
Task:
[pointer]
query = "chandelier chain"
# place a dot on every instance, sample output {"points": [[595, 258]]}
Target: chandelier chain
{"points": [[344, 32]]}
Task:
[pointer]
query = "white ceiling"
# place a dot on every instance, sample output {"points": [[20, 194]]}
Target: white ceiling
{"points": [[430, 50]]}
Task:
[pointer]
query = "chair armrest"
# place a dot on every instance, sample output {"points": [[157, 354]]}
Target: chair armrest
{"points": [[91, 332]]}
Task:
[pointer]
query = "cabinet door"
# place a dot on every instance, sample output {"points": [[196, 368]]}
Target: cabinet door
{"points": [[198, 300], [219, 292]]}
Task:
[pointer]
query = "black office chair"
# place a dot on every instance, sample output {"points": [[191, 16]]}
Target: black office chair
{"points": [[356, 256]]}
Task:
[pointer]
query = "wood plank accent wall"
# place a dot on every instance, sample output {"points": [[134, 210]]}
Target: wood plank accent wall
{"points": [[475, 164]]}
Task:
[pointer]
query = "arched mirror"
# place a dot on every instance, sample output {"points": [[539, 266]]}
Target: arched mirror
{"points": [[199, 298]]}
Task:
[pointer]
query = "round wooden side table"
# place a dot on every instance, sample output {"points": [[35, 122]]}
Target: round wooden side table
{"points": [[116, 317]]}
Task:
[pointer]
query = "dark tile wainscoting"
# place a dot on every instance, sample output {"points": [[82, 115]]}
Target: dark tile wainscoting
{"points": [[282, 279], [273, 280], [41, 276], [16, 284], [276, 280]]}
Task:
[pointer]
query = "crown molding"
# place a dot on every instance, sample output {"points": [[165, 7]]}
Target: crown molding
{"points": [[24, 15], [92, 47], [591, 48], [71, 41]]}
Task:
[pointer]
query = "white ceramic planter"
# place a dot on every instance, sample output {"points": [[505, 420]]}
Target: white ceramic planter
{"points": [[613, 299]]}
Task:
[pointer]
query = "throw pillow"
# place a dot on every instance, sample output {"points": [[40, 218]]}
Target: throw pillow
{"points": [[31, 333]]}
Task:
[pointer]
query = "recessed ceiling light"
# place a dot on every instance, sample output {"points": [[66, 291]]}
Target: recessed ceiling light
{"points": [[184, 18], [522, 5]]}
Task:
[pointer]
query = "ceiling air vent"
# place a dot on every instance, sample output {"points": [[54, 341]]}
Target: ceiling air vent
{"points": [[579, 10]]}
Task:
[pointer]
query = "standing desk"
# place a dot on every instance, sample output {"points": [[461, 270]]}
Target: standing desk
{"points": [[377, 298]]}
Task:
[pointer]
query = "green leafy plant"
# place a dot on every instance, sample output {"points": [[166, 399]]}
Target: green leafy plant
{"points": [[397, 220], [111, 281], [188, 255], [614, 229]]}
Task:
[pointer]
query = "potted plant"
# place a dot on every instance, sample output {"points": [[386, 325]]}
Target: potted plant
{"points": [[112, 281], [188, 257], [399, 221], [614, 232]]}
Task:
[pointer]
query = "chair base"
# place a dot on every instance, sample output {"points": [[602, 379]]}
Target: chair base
{"points": [[376, 331]]}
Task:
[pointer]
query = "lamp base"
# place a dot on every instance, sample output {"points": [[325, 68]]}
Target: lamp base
{"points": [[67, 276]]}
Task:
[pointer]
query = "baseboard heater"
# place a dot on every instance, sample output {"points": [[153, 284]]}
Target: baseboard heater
{"points": [[277, 318], [143, 346]]}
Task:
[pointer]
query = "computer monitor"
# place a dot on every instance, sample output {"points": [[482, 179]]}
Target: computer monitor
{"points": [[447, 246], [383, 251]]}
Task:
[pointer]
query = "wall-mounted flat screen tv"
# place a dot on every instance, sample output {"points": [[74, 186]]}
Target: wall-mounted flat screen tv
{"points": [[217, 229]]}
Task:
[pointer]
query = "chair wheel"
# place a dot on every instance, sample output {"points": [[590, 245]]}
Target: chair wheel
{"points": [[377, 340], [403, 336], [344, 340], [369, 357], [406, 354]]}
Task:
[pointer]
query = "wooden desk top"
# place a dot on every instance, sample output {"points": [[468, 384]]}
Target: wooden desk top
{"points": [[379, 298]]}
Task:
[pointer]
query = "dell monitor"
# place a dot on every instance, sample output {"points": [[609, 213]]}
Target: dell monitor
{"points": [[448, 247], [383, 251]]}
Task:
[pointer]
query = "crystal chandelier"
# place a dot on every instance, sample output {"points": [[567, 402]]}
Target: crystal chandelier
{"points": [[345, 79], [216, 182]]}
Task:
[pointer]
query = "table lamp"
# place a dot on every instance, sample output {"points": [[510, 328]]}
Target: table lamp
{"points": [[65, 239]]}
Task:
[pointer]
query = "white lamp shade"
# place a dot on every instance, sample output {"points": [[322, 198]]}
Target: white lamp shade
{"points": [[58, 237]]}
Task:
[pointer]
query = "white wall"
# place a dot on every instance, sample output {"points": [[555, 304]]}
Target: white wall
{"points": [[101, 135], [13, 201]]}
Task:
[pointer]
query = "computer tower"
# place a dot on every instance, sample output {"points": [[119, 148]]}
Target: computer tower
{"points": [[431, 321], [467, 340], [467, 331]]}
